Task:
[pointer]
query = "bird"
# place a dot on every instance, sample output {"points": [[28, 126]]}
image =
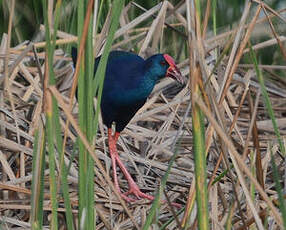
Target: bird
{"points": [[129, 80]]}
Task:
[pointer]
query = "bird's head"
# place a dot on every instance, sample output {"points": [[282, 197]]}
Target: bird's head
{"points": [[163, 65]]}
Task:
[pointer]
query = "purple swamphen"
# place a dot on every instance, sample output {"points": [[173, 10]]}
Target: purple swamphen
{"points": [[129, 80]]}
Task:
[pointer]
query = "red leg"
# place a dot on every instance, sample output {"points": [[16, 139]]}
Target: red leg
{"points": [[133, 187], [114, 154], [113, 160]]}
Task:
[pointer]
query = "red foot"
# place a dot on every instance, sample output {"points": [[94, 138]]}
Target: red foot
{"points": [[133, 187]]}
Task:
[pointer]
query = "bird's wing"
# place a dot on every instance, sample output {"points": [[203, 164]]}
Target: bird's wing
{"points": [[123, 70], [120, 59], [115, 57]]}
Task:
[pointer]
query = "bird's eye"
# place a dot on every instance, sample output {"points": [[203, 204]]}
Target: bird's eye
{"points": [[163, 63]]}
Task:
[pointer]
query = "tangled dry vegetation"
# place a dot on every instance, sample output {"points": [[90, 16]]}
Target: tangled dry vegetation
{"points": [[162, 127]]}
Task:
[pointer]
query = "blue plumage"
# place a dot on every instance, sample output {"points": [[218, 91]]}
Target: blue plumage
{"points": [[129, 80]]}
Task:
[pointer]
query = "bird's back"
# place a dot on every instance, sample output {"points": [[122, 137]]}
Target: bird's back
{"points": [[123, 70]]}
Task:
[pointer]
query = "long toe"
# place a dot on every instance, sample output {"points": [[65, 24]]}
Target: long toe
{"points": [[134, 190], [138, 194], [126, 198]]}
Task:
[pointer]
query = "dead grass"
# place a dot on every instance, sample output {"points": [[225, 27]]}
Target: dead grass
{"points": [[145, 145]]}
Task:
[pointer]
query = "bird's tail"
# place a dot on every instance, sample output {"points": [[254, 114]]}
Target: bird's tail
{"points": [[74, 55]]}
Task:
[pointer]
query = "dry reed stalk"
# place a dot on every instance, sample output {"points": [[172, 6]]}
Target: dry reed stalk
{"points": [[147, 140]]}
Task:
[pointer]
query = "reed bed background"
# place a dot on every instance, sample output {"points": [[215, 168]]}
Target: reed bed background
{"points": [[216, 146]]}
